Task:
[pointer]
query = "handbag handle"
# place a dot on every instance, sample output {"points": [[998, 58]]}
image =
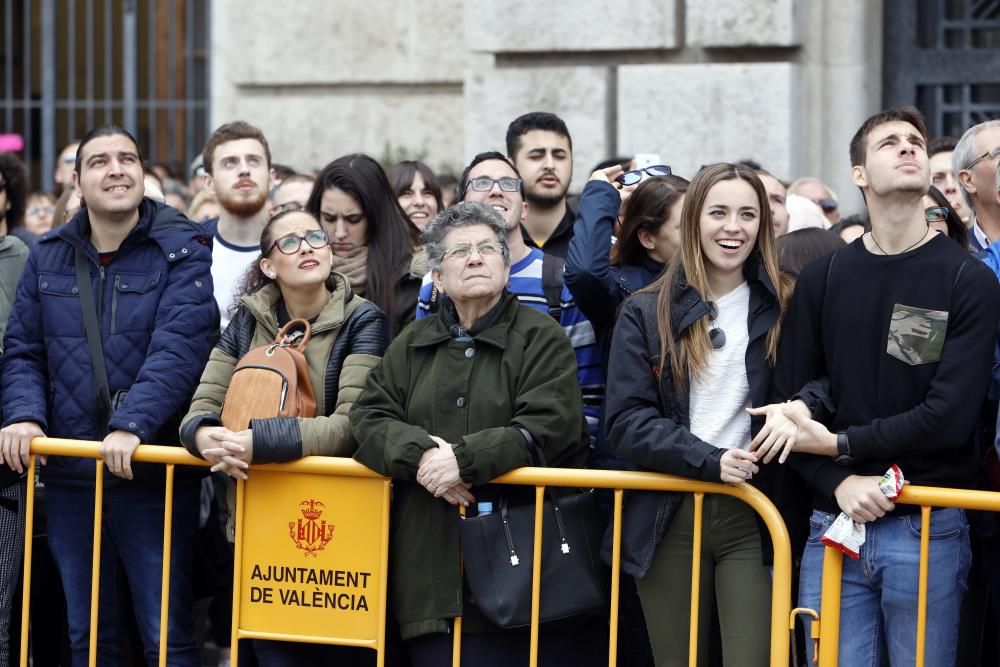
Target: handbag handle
{"points": [[564, 546], [285, 338]]}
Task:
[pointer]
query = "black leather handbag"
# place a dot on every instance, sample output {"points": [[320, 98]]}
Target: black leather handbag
{"points": [[498, 552]]}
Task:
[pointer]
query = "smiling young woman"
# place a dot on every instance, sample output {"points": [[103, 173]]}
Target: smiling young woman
{"points": [[711, 324]]}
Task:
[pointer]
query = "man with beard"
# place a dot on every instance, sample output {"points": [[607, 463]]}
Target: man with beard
{"points": [[237, 164], [540, 146]]}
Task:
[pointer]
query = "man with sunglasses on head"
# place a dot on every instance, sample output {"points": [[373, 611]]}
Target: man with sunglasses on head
{"points": [[975, 161], [539, 145], [492, 179], [818, 193], [237, 163]]}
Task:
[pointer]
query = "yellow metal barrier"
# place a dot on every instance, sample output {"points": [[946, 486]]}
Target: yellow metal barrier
{"points": [[540, 478], [926, 497]]}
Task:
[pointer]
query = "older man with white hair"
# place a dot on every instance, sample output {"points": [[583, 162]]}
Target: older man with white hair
{"points": [[975, 160]]}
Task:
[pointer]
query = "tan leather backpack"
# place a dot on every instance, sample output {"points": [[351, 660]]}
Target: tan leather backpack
{"points": [[271, 381]]}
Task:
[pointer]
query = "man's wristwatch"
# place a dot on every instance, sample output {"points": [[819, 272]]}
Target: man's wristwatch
{"points": [[843, 457]]}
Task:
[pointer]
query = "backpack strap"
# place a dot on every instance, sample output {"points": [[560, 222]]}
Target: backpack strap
{"points": [[92, 327], [552, 283]]}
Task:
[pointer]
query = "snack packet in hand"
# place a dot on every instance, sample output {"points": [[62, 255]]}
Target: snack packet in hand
{"points": [[847, 535]]}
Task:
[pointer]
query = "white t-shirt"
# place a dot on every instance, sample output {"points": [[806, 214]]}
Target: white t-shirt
{"points": [[721, 391], [229, 265]]}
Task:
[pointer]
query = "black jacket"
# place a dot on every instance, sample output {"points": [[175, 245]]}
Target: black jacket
{"points": [[653, 434]]}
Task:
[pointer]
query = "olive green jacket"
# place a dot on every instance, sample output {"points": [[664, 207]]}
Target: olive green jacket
{"points": [[486, 395]]}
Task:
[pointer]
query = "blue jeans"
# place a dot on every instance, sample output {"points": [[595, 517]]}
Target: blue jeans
{"points": [[131, 542], [878, 607]]}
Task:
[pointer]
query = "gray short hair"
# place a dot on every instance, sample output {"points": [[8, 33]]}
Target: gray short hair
{"points": [[463, 214], [965, 153], [996, 180]]}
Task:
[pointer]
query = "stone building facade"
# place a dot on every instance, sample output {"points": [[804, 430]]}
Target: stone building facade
{"points": [[785, 82]]}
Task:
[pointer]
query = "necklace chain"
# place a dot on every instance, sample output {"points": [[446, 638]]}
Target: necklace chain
{"points": [[922, 237]]}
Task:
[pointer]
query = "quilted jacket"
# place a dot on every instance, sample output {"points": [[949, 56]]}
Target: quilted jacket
{"points": [[158, 322]]}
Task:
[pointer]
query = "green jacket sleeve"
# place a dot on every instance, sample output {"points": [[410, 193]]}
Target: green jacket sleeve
{"points": [[547, 406], [331, 436], [386, 443]]}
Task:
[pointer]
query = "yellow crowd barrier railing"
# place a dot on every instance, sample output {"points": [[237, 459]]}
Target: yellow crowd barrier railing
{"points": [[311, 536], [927, 498]]}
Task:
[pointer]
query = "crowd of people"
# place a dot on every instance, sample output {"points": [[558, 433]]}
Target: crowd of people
{"points": [[727, 326]]}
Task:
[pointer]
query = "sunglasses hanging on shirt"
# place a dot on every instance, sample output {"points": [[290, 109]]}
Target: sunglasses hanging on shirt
{"points": [[715, 333]]}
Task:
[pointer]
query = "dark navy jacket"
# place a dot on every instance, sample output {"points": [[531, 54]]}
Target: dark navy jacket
{"points": [[597, 287], [158, 322], [648, 417]]}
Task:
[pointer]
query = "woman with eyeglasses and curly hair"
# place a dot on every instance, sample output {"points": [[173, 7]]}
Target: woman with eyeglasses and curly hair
{"points": [[292, 279], [690, 354]]}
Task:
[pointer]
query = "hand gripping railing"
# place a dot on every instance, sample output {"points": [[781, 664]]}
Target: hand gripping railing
{"points": [[926, 497], [540, 478]]}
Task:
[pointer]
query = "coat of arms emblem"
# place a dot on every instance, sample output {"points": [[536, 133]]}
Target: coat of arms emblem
{"points": [[310, 533]]}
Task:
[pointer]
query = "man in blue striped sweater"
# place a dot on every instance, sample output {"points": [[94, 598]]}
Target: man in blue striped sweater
{"points": [[491, 179]]}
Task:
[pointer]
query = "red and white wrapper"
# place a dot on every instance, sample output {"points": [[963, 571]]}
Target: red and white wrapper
{"points": [[847, 535]]}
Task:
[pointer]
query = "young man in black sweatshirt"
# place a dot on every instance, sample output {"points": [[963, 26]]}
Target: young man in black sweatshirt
{"points": [[902, 323]]}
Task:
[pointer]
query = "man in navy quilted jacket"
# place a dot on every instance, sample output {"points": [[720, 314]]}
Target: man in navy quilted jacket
{"points": [[156, 319]]}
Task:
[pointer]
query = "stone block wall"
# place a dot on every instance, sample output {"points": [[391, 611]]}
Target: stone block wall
{"points": [[785, 82]]}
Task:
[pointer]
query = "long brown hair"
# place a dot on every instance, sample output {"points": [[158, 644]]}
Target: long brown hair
{"points": [[648, 208], [690, 356]]}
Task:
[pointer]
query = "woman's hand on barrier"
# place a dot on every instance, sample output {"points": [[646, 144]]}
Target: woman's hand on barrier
{"points": [[778, 435], [438, 472], [116, 450], [860, 498], [15, 443], [737, 466], [230, 451], [459, 494]]}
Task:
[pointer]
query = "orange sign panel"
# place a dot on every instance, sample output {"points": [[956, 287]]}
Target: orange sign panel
{"points": [[311, 555]]}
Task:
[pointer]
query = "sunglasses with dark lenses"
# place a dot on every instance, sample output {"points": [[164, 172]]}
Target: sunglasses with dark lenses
{"points": [[485, 184], [936, 213], [290, 244], [828, 205], [634, 176]]}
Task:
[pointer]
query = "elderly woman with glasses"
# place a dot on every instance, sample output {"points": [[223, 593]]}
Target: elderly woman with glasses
{"points": [[291, 279], [460, 398]]}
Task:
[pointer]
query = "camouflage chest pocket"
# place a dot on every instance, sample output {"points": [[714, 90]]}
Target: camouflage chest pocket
{"points": [[917, 335]]}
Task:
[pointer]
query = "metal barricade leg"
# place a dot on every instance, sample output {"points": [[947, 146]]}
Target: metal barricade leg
{"points": [[616, 562], [925, 533], [536, 575], [95, 576], [29, 518], [168, 521], [829, 639], [699, 501]]}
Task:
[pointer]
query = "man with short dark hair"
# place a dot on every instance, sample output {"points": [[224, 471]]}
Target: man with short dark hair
{"points": [[908, 366], [112, 325], [975, 161], [941, 152], [237, 162], [539, 145]]}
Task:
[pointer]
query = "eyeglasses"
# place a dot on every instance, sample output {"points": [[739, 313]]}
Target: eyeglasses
{"points": [[290, 244], [287, 207], [829, 205], [485, 184], [988, 155], [634, 176], [936, 214], [464, 250], [40, 210]]}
